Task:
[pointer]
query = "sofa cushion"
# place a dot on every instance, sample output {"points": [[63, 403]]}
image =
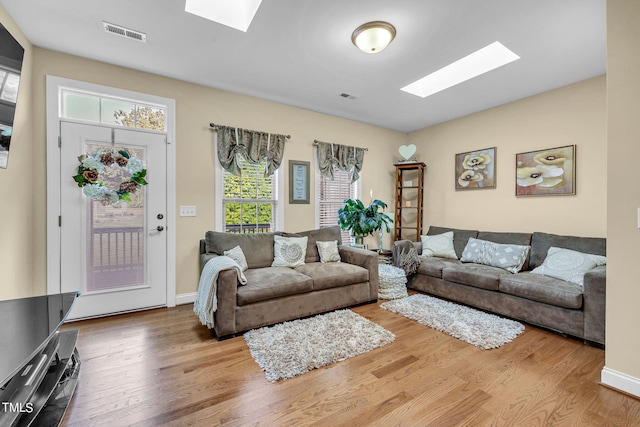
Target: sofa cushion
{"points": [[289, 251], [440, 245], [272, 282], [543, 289], [313, 236], [257, 247], [541, 242], [568, 265], [476, 275], [460, 237], [506, 256], [432, 266], [334, 274]]}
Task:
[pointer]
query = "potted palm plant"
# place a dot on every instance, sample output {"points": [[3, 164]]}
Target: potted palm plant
{"points": [[362, 221]]}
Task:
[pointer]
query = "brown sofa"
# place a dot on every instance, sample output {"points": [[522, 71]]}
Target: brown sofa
{"points": [[567, 308], [277, 294]]}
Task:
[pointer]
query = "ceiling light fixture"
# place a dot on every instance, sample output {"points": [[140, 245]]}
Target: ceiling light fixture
{"points": [[374, 36], [479, 62]]}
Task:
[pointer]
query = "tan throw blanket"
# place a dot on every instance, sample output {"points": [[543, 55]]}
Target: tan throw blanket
{"points": [[206, 302]]}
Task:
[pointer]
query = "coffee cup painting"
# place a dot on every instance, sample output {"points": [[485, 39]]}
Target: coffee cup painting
{"points": [[549, 172]]}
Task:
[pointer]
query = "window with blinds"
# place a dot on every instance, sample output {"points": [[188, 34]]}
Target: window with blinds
{"points": [[331, 197], [249, 202]]}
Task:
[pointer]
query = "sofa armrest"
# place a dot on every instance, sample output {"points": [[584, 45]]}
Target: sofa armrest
{"points": [[595, 304], [366, 259]]}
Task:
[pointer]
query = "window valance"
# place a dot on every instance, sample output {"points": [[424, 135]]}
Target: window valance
{"points": [[253, 146], [342, 157]]}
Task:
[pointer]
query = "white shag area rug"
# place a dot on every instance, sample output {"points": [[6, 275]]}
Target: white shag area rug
{"points": [[392, 282], [292, 348], [476, 327]]}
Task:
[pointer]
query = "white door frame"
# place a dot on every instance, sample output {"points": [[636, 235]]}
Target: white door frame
{"points": [[54, 176]]}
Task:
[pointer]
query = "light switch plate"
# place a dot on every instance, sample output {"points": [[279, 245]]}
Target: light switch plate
{"points": [[187, 211]]}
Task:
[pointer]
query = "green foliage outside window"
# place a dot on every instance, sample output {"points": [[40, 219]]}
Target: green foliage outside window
{"points": [[249, 199]]}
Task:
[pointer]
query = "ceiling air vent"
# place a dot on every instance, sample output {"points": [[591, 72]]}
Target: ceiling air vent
{"points": [[348, 96], [124, 32]]}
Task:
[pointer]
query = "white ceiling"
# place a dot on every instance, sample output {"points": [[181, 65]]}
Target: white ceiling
{"points": [[299, 52]]}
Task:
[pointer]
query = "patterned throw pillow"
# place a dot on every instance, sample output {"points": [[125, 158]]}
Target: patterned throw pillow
{"points": [[506, 256], [289, 251], [237, 255], [440, 245], [568, 265], [328, 251]]}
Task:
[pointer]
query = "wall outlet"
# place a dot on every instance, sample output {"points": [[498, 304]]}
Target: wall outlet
{"points": [[187, 211]]}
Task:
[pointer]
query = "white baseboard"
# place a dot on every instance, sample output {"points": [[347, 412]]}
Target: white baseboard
{"points": [[620, 381], [189, 298]]}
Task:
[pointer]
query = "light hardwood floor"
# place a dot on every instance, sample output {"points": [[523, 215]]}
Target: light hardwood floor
{"points": [[162, 368]]}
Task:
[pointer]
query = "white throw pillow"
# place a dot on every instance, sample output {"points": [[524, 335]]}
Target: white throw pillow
{"points": [[328, 251], [440, 245], [510, 257], [569, 265], [237, 255], [289, 251]]}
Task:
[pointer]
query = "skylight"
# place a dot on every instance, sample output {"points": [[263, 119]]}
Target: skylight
{"points": [[236, 14], [479, 62]]}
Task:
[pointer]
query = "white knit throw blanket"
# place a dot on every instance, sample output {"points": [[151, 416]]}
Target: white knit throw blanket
{"points": [[206, 302]]}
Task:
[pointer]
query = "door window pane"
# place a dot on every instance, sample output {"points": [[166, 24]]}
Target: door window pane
{"points": [[116, 233], [80, 106]]}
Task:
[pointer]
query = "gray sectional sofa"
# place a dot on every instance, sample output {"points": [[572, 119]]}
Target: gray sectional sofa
{"points": [[565, 307], [277, 294]]}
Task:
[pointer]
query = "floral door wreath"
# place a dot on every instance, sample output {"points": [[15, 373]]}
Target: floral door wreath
{"points": [[92, 165]]}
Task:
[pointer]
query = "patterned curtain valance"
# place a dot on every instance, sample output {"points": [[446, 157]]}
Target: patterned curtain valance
{"points": [[253, 146], [341, 157]]}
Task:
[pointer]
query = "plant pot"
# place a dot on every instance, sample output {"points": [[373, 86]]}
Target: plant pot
{"points": [[358, 240]]}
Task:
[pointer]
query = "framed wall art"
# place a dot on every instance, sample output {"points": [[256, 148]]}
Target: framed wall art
{"points": [[476, 169], [549, 172], [298, 182]]}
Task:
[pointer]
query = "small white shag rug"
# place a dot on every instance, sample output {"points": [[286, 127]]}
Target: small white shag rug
{"points": [[292, 348], [476, 327]]}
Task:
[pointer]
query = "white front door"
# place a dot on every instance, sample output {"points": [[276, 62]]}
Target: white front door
{"points": [[114, 254]]}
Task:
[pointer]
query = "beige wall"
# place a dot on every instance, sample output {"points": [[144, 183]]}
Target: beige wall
{"points": [[571, 115], [623, 114], [197, 106], [17, 188]]}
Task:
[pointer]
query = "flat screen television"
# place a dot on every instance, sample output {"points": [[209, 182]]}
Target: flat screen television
{"points": [[27, 326], [11, 55]]}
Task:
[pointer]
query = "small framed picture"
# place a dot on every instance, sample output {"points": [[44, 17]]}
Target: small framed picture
{"points": [[476, 169], [299, 182], [549, 172]]}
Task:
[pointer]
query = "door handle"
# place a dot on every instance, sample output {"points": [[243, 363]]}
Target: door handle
{"points": [[158, 228]]}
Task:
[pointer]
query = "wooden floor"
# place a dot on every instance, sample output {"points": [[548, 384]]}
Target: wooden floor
{"points": [[161, 367]]}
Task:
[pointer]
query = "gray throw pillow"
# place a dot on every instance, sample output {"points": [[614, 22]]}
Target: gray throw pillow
{"points": [[506, 256]]}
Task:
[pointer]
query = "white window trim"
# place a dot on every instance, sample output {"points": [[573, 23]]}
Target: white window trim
{"points": [[218, 220], [53, 86]]}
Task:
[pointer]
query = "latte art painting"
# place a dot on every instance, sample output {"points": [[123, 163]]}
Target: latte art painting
{"points": [[549, 172]]}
